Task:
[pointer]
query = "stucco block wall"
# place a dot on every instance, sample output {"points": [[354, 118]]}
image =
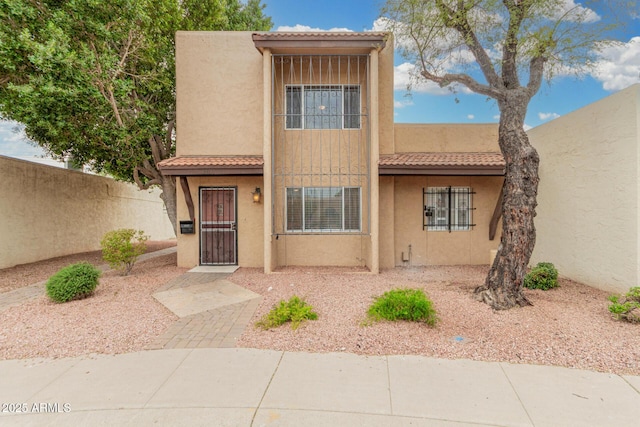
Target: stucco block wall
{"points": [[455, 137], [250, 220], [439, 247], [219, 94], [49, 212], [385, 99], [322, 250], [587, 222]]}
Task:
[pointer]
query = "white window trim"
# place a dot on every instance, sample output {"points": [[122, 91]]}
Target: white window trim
{"points": [[320, 230], [302, 106]]}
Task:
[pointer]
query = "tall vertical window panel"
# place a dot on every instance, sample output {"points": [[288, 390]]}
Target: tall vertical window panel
{"points": [[320, 143]]}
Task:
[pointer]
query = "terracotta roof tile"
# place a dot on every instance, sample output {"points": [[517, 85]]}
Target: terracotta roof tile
{"points": [[442, 159], [212, 165], [212, 161], [304, 35], [442, 164]]}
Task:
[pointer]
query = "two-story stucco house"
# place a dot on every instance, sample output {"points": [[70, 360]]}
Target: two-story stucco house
{"points": [[287, 155]]}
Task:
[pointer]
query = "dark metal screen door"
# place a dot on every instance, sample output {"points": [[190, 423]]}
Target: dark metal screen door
{"points": [[218, 226]]}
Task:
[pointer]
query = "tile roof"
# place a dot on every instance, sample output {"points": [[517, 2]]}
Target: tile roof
{"points": [[331, 40], [332, 35], [442, 162], [212, 165]]}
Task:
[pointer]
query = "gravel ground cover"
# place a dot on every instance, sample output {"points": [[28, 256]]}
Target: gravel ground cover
{"points": [[568, 326], [27, 274], [120, 317]]}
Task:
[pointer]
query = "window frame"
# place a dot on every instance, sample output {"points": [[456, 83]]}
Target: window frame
{"points": [[454, 206], [344, 115], [303, 211]]}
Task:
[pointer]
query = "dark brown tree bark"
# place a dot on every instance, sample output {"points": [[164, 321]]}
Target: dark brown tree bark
{"points": [[503, 286]]}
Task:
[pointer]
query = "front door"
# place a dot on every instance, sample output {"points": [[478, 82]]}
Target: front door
{"points": [[218, 226]]}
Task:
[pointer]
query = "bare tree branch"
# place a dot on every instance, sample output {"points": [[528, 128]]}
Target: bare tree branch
{"points": [[458, 20], [466, 80]]}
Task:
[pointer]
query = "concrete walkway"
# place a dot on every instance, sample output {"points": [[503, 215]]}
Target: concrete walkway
{"points": [[248, 387]]}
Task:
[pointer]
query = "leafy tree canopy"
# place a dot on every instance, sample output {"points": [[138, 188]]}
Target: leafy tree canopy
{"points": [[95, 79]]}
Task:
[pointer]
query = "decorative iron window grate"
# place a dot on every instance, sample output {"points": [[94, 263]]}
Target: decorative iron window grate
{"points": [[323, 106], [320, 144], [447, 208]]}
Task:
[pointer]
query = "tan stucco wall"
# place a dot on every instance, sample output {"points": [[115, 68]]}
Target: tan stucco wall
{"points": [[588, 196], [385, 99], [250, 224], [219, 94], [410, 137], [438, 247], [49, 212], [321, 250]]}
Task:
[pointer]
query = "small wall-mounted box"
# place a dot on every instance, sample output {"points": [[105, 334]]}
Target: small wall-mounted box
{"points": [[186, 227]]}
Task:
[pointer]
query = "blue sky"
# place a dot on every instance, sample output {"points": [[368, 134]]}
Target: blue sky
{"points": [[618, 68]]}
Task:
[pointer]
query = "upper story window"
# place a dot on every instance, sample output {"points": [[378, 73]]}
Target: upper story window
{"points": [[323, 106]]}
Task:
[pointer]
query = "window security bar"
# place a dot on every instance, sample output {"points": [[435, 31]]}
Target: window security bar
{"points": [[447, 208]]}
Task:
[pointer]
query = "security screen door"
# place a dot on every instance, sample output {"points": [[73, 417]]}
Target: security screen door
{"points": [[218, 226]]}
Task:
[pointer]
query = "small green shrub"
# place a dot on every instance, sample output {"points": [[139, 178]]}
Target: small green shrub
{"points": [[75, 281], [296, 311], [627, 308], [404, 304], [543, 276], [121, 248]]}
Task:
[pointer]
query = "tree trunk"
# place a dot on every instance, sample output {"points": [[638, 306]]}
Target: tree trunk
{"points": [[503, 286], [168, 196]]}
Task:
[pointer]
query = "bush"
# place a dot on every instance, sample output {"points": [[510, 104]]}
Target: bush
{"points": [[543, 276], [296, 311], [121, 248], [404, 304], [627, 308], [75, 281]]}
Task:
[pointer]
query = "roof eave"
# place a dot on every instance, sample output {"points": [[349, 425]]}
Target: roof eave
{"points": [[442, 170], [211, 170], [326, 42]]}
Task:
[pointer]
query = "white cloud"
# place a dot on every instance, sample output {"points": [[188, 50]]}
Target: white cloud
{"points": [[299, 28], [405, 76], [402, 104], [547, 116], [527, 127], [471, 116], [571, 11], [496, 117], [619, 66]]}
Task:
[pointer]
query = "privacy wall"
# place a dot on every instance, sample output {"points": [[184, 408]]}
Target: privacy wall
{"points": [[588, 217], [48, 212]]}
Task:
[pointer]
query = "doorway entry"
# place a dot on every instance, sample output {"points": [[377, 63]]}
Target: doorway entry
{"points": [[218, 226]]}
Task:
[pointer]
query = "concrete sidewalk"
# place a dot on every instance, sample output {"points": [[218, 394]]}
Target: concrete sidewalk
{"points": [[248, 387]]}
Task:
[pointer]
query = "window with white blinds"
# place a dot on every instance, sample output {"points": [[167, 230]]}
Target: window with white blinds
{"points": [[323, 209]]}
